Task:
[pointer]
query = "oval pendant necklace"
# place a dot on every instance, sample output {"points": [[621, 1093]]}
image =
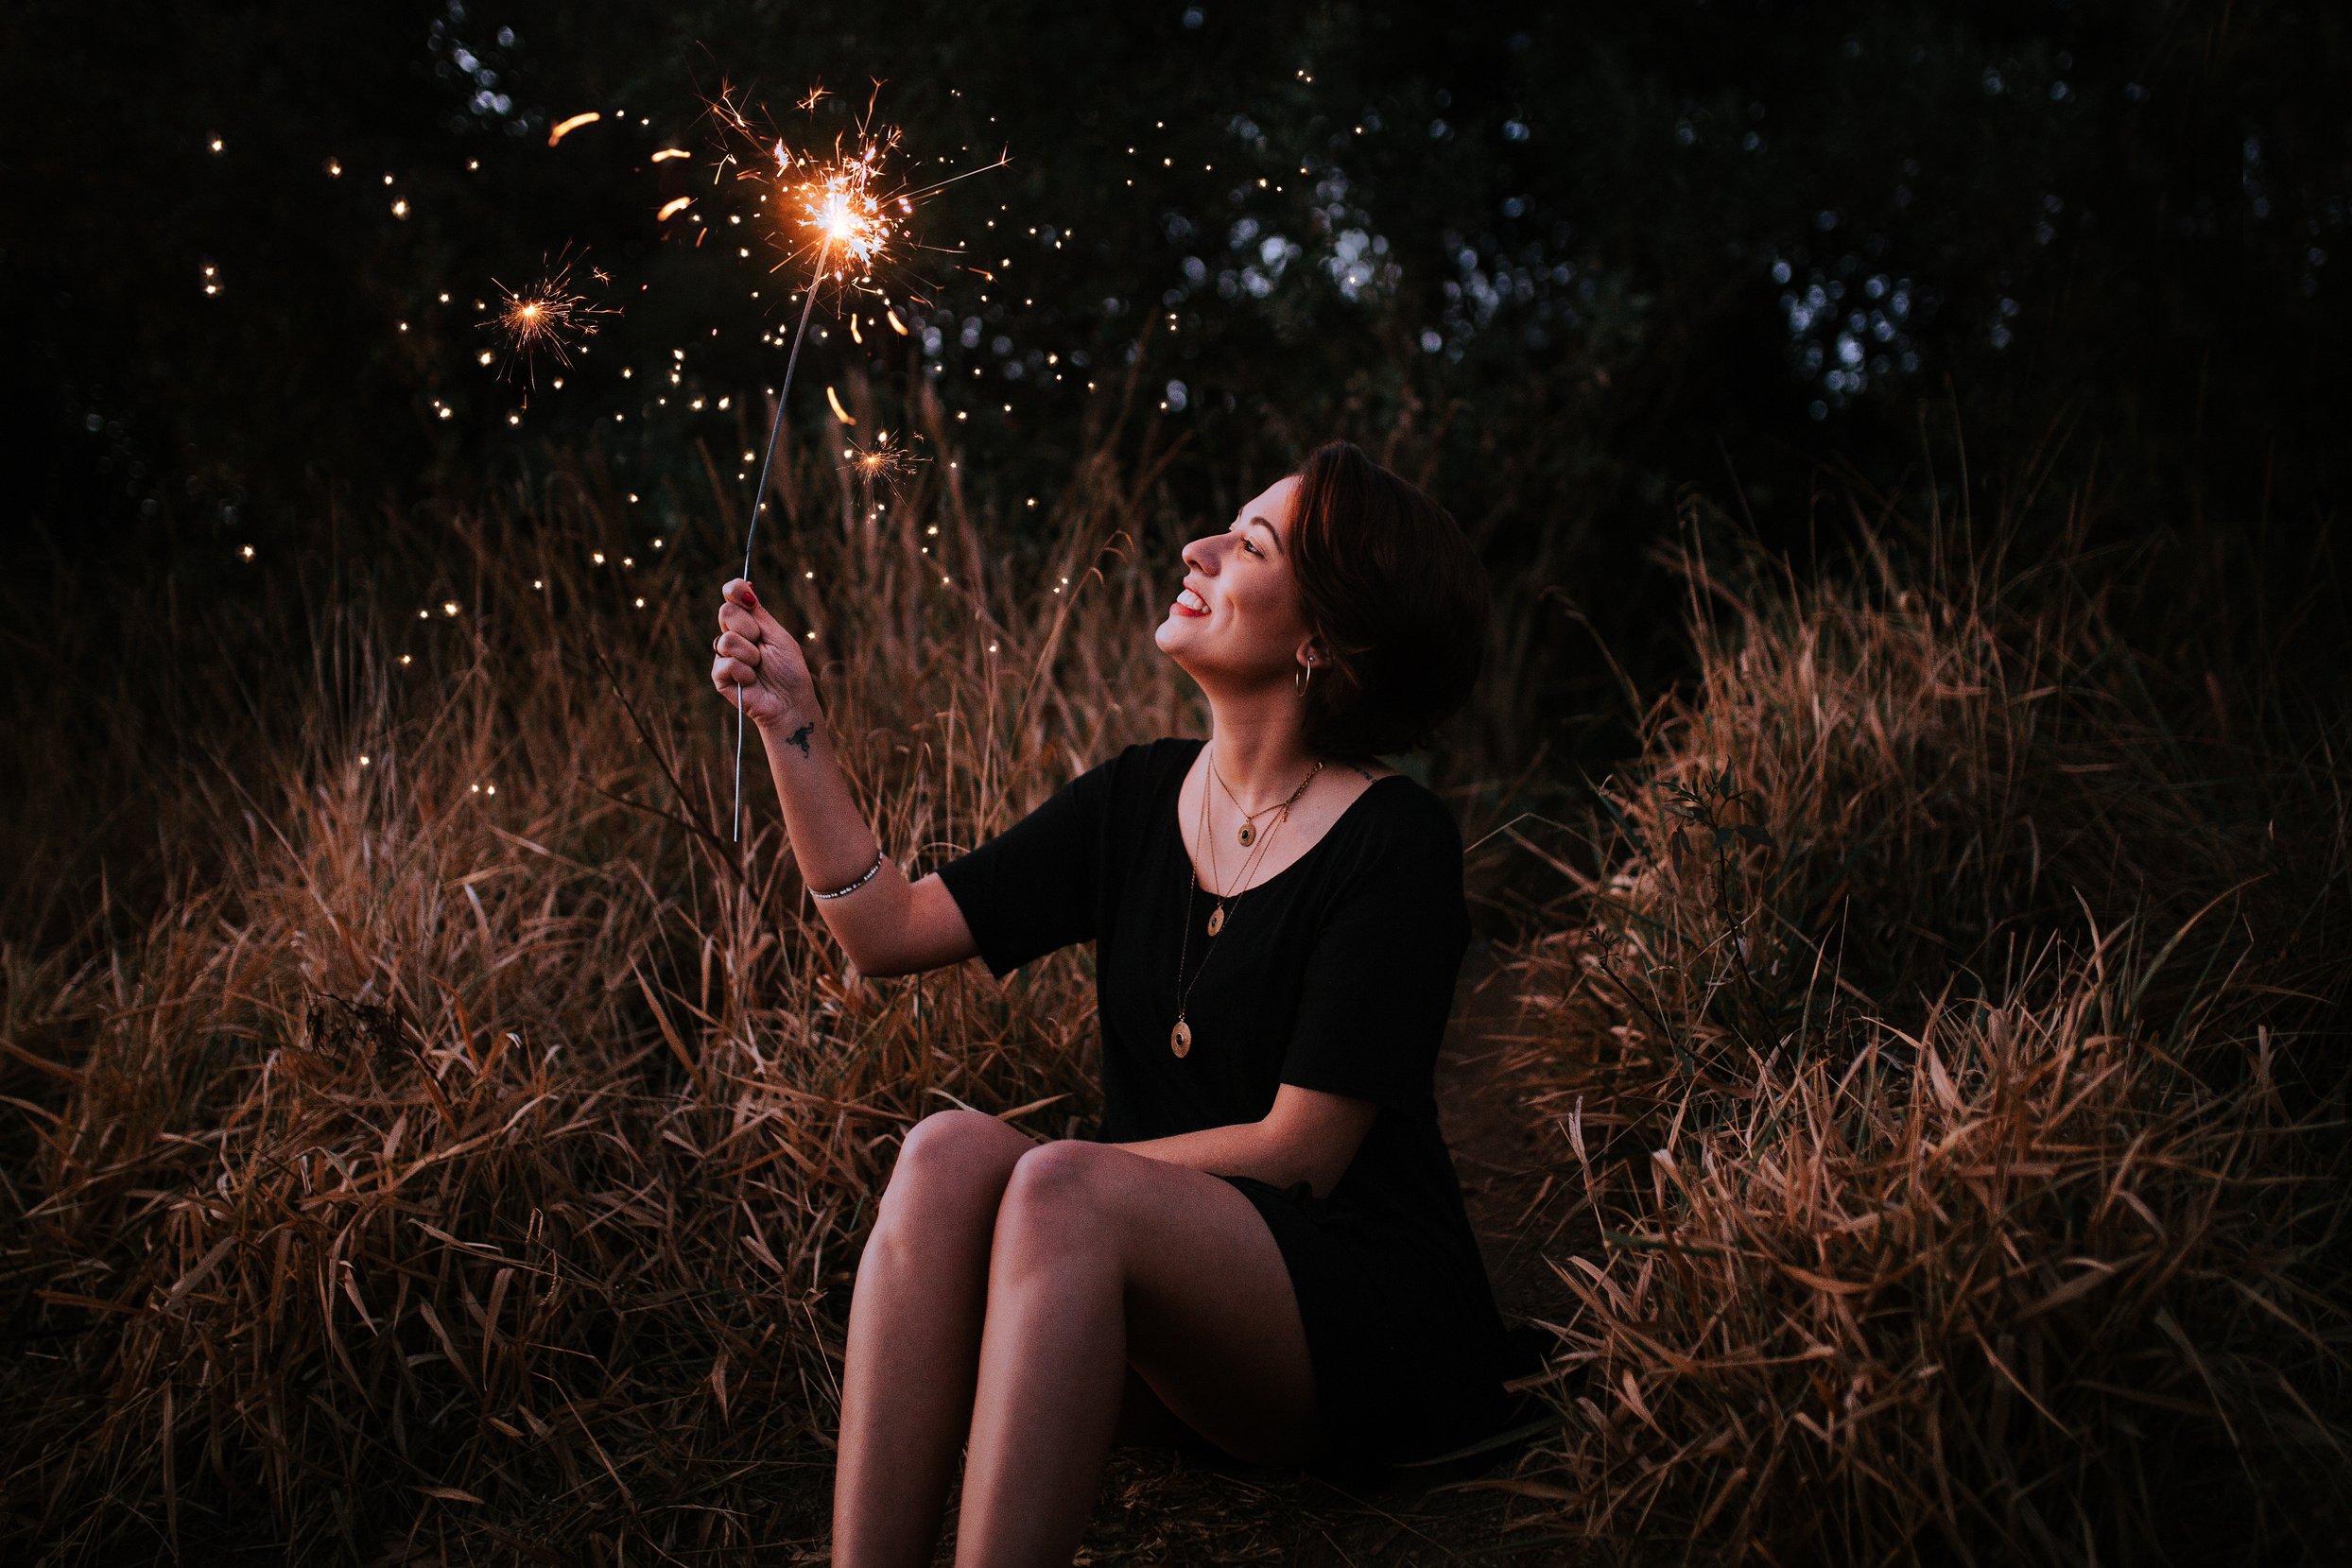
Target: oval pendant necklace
{"points": [[1179, 1038]]}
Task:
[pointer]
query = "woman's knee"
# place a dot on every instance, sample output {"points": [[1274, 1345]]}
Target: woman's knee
{"points": [[956, 1159], [1052, 1200]]}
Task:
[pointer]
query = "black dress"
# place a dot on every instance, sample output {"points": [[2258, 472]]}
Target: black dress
{"points": [[1336, 973]]}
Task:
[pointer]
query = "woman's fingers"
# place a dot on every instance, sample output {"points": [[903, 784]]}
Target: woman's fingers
{"points": [[769, 628], [751, 646], [741, 622], [734, 611], [740, 592]]}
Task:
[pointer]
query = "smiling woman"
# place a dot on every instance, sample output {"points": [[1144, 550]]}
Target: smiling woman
{"points": [[1386, 589], [1262, 1245]]}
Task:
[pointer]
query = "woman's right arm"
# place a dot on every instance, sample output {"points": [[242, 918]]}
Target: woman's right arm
{"points": [[886, 927]]}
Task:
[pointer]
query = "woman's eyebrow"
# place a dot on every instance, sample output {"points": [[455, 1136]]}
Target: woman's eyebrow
{"points": [[1269, 530]]}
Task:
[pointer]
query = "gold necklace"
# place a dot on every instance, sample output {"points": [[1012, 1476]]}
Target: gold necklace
{"points": [[1217, 916], [1179, 1038], [1249, 817]]}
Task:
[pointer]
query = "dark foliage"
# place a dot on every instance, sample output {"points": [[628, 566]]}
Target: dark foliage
{"points": [[1552, 262]]}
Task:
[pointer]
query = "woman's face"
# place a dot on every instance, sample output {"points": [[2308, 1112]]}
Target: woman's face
{"points": [[1250, 629]]}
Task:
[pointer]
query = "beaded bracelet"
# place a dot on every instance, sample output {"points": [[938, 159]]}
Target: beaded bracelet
{"points": [[860, 883]]}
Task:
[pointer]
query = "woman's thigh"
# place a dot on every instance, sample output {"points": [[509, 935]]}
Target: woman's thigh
{"points": [[1212, 1327]]}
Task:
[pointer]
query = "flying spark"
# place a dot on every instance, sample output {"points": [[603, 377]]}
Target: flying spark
{"points": [[566, 128]]}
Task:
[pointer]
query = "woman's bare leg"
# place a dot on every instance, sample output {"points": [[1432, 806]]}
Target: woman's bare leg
{"points": [[1103, 1257], [914, 1338]]}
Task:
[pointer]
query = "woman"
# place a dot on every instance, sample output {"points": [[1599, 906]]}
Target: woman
{"points": [[1262, 1247]]}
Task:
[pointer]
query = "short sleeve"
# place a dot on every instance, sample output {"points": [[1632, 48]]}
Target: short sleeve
{"points": [[1036, 885], [1380, 977]]}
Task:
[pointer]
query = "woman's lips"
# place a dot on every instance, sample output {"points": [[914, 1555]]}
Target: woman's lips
{"points": [[1182, 609]]}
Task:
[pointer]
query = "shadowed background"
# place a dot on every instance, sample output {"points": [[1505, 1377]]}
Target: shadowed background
{"points": [[1558, 262], [1901, 1062]]}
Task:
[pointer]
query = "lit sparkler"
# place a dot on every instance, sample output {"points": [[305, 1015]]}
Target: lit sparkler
{"points": [[544, 316], [884, 463], [828, 210]]}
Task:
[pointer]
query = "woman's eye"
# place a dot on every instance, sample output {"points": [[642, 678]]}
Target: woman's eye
{"points": [[1252, 548]]}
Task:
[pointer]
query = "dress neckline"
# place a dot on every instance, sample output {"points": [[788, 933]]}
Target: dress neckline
{"points": [[1173, 819]]}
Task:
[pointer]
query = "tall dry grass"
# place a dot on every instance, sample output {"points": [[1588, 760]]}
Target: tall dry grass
{"points": [[429, 1135], [469, 1144], [1946, 1034]]}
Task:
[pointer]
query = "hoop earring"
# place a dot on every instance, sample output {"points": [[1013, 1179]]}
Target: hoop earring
{"points": [[1300, 682]]}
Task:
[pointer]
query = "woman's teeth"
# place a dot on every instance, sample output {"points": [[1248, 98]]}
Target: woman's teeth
{"points": [[1193, 602]]}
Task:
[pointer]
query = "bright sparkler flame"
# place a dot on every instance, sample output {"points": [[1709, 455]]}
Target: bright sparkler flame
{"points": [[841, 215], [844, 225], [837, 199]]}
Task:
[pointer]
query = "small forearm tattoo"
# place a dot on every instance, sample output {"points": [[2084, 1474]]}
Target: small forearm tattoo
{"points": [[800, 736]]}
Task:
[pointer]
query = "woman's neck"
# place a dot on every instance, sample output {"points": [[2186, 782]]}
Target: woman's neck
{"points": [[1261, 764]]}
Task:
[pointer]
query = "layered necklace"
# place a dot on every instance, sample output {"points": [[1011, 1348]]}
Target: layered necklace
{"points": [[1179, 1038], [1249, 818]]}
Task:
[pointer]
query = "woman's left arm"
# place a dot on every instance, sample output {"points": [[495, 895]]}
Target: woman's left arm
{"points": [[1308, 1136]]}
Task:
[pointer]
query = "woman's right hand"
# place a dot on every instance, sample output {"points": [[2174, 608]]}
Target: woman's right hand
{"points": [[755, 655]]}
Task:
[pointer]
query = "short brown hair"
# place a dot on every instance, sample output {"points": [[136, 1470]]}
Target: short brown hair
{"points": [[1394, 592]]}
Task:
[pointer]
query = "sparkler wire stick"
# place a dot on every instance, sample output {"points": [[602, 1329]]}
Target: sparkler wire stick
{"points": [[759, 493]]}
